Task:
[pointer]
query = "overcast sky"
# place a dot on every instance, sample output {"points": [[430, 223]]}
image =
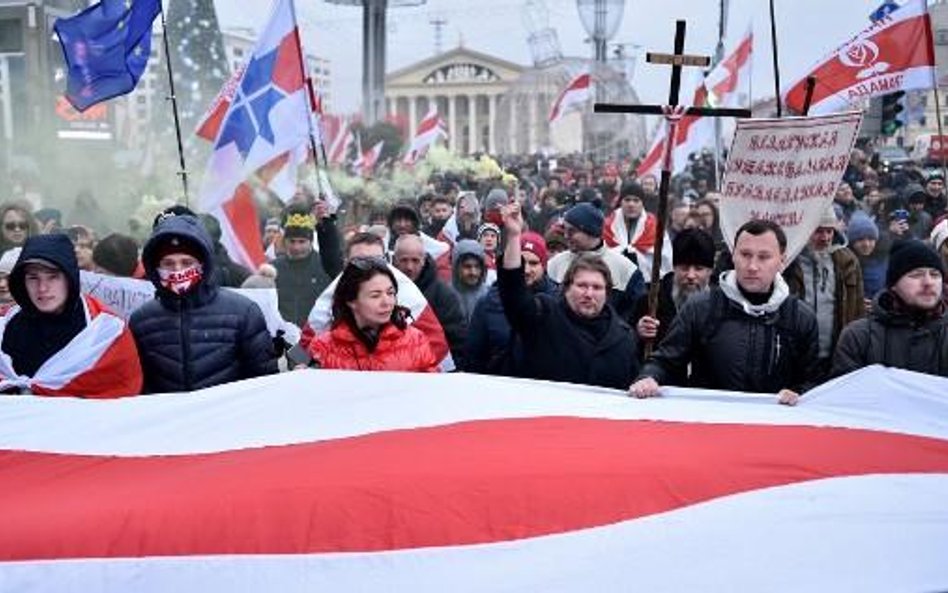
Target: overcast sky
{"points": [[806, 30]]}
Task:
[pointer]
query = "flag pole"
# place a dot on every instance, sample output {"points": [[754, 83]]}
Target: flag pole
{"points": [[310, 95], [944, 158], [773, 39], [183, 172]]}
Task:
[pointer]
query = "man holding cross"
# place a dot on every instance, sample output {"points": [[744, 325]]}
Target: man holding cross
{"points": [[748, 334]]}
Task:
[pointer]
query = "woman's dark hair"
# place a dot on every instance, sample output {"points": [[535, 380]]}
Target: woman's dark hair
{"points": [[358, 271]]}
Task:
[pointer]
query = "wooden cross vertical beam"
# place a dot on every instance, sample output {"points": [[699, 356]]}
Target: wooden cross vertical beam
{"points": [[673, 114]]}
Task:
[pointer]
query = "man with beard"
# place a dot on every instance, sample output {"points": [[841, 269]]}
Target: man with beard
{"points": [[907, 328], [440, 210], [693, 259]]}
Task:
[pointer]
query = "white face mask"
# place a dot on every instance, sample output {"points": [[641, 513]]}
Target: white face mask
{"points": [[181, 281]]}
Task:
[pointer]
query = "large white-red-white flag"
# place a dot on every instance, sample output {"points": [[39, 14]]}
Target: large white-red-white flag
{"points": [[266, 114], [727, 85], [895, 53], [347, 481], [430, 129], [573, 96]]}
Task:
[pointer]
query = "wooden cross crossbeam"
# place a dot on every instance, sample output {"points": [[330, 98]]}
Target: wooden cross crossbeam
{"points": [[673, 114]]}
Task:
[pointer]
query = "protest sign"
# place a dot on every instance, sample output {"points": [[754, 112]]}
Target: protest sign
{"points": [[786, 170], [124, 295]]}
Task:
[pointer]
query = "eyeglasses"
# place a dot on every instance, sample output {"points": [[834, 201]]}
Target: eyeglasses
{"points": [[13, 226]]}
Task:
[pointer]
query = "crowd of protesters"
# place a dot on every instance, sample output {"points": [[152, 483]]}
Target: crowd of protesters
{"points": [[541, 274]]}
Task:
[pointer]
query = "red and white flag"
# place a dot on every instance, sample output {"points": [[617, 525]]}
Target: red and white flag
{"points": [[267, 115], [345, 481], [574, 96], [894, 53], [727, 85], [365, 164], [339, 138], [100, 362], [431, 128]]}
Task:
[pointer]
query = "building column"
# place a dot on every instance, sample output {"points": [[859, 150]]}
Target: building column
{"points": [[491, 116], [453, 122], [532, 124], [473, 144], [412, 117], [514, 124], [392, 105]]}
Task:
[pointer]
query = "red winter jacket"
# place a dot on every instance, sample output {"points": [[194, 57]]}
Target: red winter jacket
{"points": [[397, 350]]}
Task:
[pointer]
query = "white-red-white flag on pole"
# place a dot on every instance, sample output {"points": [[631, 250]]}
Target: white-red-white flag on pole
{"points": [[895, 53], [340, 143], [575, 94], [430, 129], [722, 87]]}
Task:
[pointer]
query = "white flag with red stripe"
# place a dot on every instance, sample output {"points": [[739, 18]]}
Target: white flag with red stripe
{"points": [[430, 129], [727, 85], [267, 114], [348, 481], [365, 164], [574, 96], [895, 53]]}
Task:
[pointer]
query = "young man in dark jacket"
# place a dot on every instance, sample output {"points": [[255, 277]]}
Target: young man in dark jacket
{"points": [[193, 334], [747, 334], [302, 273], [576, 337], [907, 327]]}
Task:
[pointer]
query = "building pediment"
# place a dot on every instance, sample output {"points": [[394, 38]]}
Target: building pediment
{"points": [[458, 67]]}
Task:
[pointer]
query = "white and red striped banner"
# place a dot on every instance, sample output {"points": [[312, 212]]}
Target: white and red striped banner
{"points": [[342, 481], [895, 53], [429, 130]]}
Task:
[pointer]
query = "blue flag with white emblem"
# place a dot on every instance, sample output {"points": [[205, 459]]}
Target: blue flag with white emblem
{"points": [[106, 47]]}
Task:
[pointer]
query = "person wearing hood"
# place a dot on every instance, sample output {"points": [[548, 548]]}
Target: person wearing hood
{"points": [[863, 237], [57, 341], [826, 275], [575, 337], [193, 334], [491, 348], [907, 328], [746, 334], [469, 276]]}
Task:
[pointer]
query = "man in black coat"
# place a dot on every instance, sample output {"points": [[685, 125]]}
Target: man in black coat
{"points": [[410, 258], [907, 327], [303, 274], [747, 334], [193, 334], [574, 337]]}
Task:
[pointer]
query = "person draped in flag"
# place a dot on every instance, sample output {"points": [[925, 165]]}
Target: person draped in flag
{"points": [[370, 331], [632, 231], [194, 335], [747, 334], [56, 341]]}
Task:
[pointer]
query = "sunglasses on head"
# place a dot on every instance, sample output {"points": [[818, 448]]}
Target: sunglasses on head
{"points": [[369, 263], [12, 226]]}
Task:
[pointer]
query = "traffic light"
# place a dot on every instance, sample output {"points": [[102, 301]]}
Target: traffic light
{"points": [[891, 108]]}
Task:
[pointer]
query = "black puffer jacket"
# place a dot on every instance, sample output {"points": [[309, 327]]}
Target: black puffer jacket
{"points": [[558, 345], [735, 346], [206, 337], [895, 337]]}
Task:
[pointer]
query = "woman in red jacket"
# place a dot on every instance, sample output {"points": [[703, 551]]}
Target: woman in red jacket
{"points": [[369, 331]]}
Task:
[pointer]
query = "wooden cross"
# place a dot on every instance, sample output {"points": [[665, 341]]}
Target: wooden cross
{"points": [[672, 112]]}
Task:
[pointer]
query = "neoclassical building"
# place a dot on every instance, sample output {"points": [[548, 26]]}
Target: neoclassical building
{"points": [[467, 86]]}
